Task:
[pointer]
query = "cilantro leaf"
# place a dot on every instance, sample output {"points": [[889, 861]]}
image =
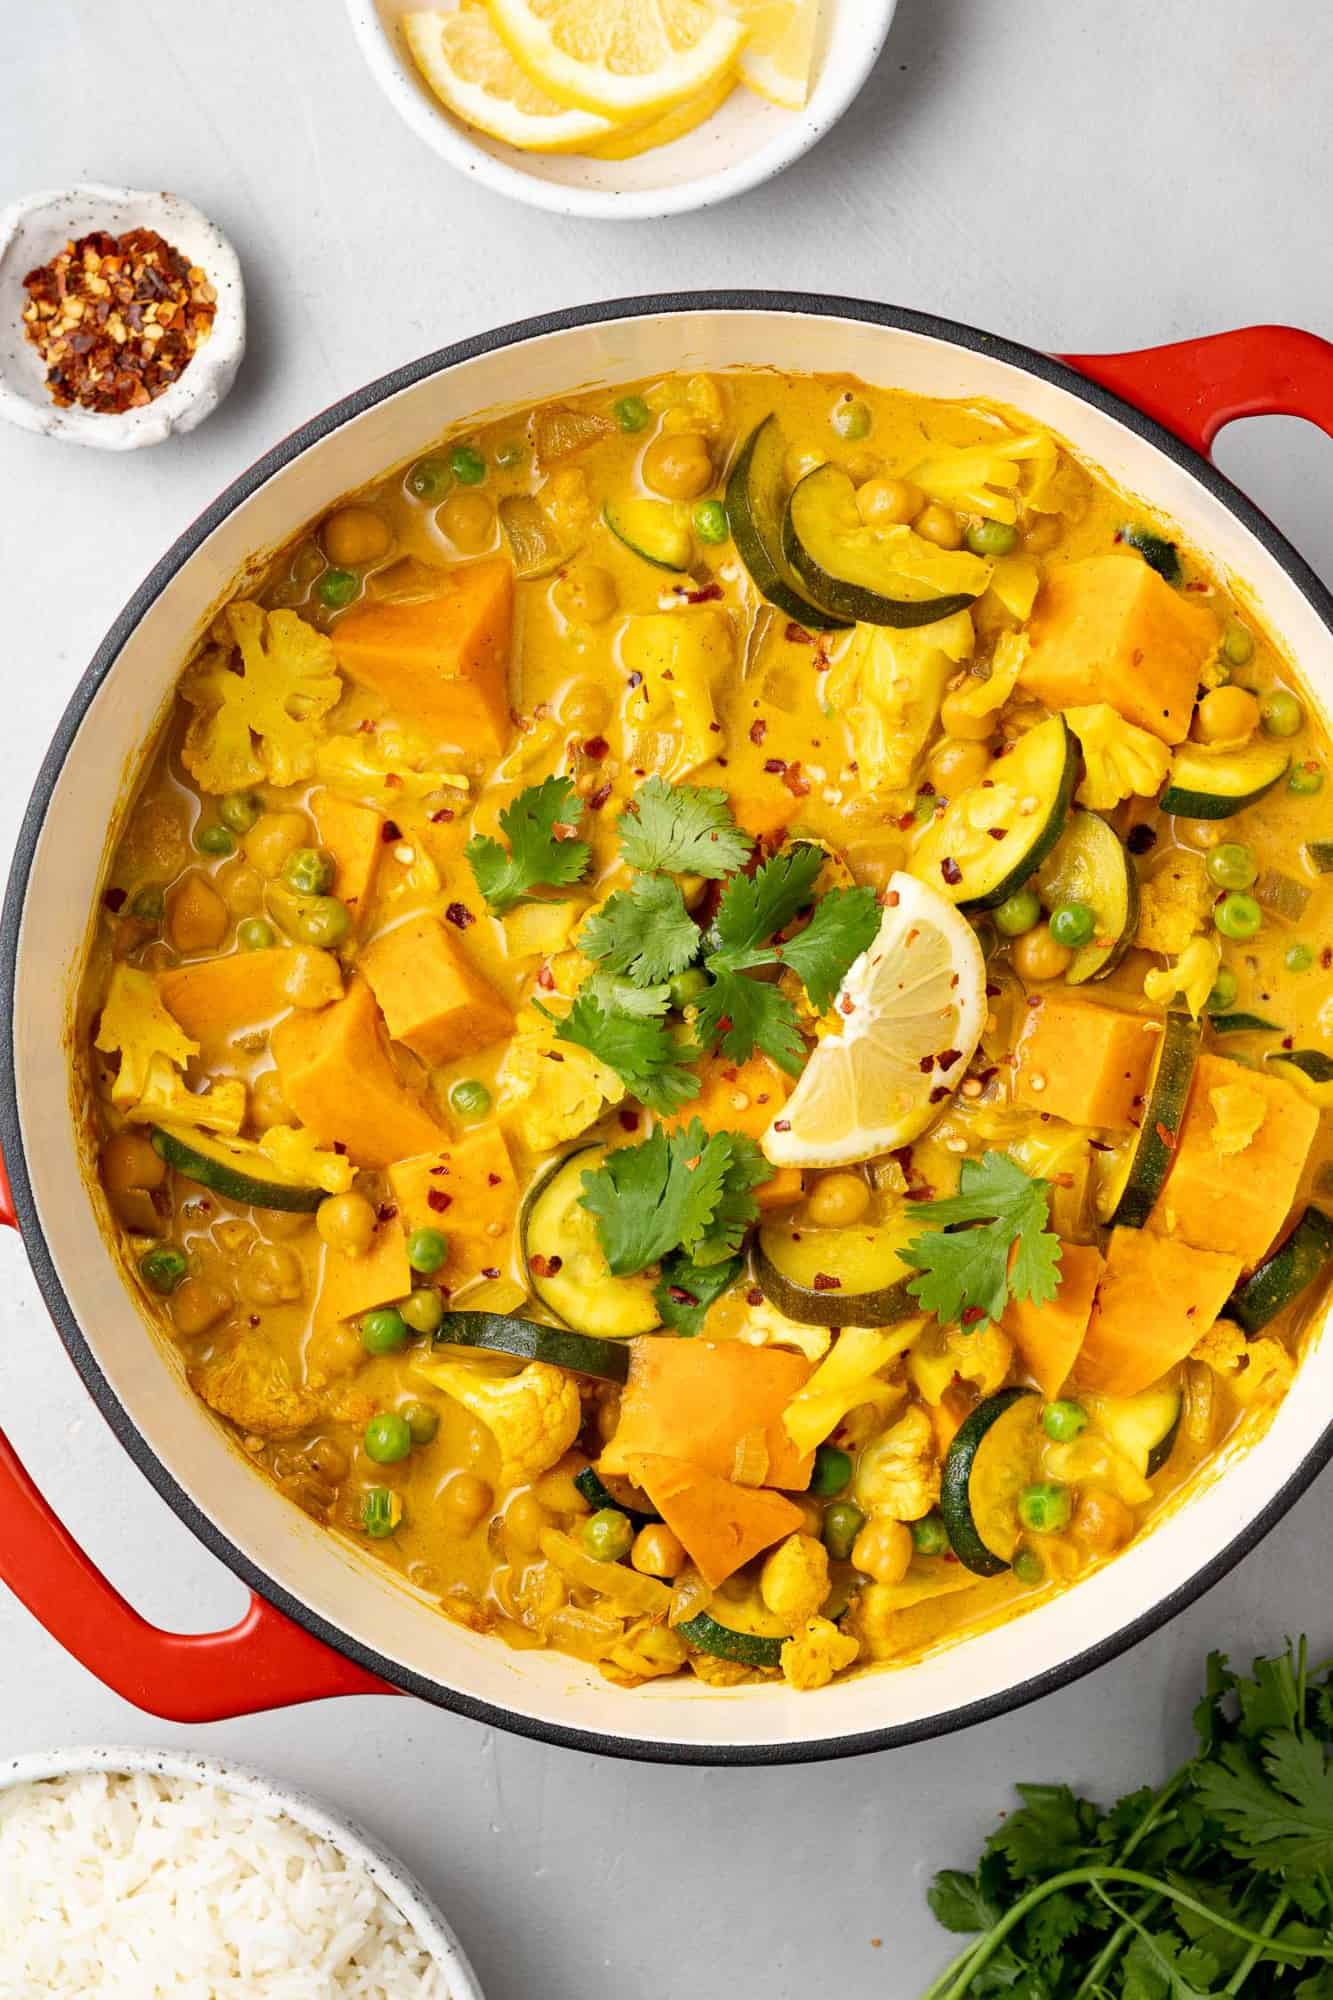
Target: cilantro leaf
{"points": [[1046, 1834], [639, 1048], [737, 1207], [657, 1197], [617, 995], [682, 830], [960, 1903], [686, 1290], [754, 906], [537, 855], [1276, 1811], [644, 931], [966, 1275], [845, 923], [746, 1014]]}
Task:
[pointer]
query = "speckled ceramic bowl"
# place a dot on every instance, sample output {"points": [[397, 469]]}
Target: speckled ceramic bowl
{"points": [[32, 231]]}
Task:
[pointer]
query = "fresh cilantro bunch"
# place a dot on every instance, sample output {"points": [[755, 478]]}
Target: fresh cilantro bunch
{"points": [[990, 1241], [539, 825], [1218, 1883]]}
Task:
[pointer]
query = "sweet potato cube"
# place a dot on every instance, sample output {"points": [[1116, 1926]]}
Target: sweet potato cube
{"points": [[354, 1285], [720, 1524], [1156, 1300], [1108, 628], [354, 836], [443, 660], [697, 1400], [338, 1076], [1083, 1062], [1048, 1337], [434, 999], [216, 998], [745, 1097], [1235, 1200], [468, 1190]]}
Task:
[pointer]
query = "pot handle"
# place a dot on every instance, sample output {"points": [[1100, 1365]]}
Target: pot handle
{"points": [[1194, 387], [263, 1661]]}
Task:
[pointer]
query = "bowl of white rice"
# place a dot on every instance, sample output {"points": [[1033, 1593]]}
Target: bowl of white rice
{"points": [[140, 1874]]}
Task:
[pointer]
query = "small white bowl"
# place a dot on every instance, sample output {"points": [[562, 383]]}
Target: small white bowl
{"points": [[745, 142], [395, 1883], [34, 230]]}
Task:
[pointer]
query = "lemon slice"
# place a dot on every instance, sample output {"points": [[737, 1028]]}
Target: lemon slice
{"points": [[627, 141], [473, 74], [619, 58], [779, 55], [912, 1008]]}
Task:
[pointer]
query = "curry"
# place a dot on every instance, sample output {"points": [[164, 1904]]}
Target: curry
{"points": [[709, 1026]]}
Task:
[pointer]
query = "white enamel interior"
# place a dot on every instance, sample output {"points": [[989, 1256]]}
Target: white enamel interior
{"points": [[354, 1594]]}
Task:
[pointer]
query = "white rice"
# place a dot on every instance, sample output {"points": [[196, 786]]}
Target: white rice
{"points": [[135, 1887]]}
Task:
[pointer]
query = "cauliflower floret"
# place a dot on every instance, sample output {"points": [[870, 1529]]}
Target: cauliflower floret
{"points": [[1120, 760], [900, 1476], [362, 765], [552, 1101], [986, 698], [941, 1353], [136, 1024], [1258, 1370], [1238, 1109], [814, 1656], [985, 478], [1193, 975], [250, 1385], [165, 1100], [647, 1651], [889, 686], [534, 1416], [794, 1580], [849, 1377], [683, 659], [1175, 904], [264, 721], [294, 1153]]}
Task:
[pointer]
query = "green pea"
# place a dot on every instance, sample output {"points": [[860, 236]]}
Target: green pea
{"points": [[710, 521], [337, 587], [381, 1511], [1225, 988], [467, 465], [930, 1537], [240, 810], [387, 1437], [470, 1097], [384, 1331], [1280, 713], [1237, 645], [608, 1535], [1306, 779], [843, 1522], [1231, 865], [1299, 958], [632, 414], [1044, 1507], [323, 921], [1028, 1567], [1018, 913], [1062, 1421], [429, 479], [255, 934], [426, 1250], [1072, 925], [687, 985], [214, 840], [148, 906], [422, 1421], [832, 1473], [852, 419], [1238, 916], [992, 538], [309, 871], [423, 1310], [163, 1268]]}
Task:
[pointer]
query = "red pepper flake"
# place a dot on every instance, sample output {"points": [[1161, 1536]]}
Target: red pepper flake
{"points": [[824, 1281], [947, 1058], [491, 1271], [338, 1146], [798, 636], [629, 1121], [1288, 1041], [776, 767], [493, 1180], [926, 1065], [392, 780], [635, 680], [1166, 1135], [546, 979], [998, 832], [796, 781], [115, 899], [758, 731], [116, 319], [599, 798], [545, 1267], [596, 747], [1326, 957], [442, 1169], [438, 1200], [905, 822], [386, 1211], [443, 816], [460, 915], [846, 1005], [709, 593], [391, 831], [939, 1093], [782, 1124], [1141, 839], [951, 872], [754, 1297], [971, 1314], [677, 1293]]}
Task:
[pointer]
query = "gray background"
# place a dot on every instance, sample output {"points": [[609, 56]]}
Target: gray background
{"points": [[1080, 174]]}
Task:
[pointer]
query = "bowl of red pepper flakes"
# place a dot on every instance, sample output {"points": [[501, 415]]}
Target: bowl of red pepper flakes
{"points": [[122, 316]]}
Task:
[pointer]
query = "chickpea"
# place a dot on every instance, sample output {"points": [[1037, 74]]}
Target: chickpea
{"points": [[657, 1552], [468, 519], [355, 535], [1226, 715], [1041, 535], [1102, 1522], [889, 503], [334, 1351], [864, 466], [524, 1519], [346, 1222], [311, 977], [960, 720], [939, 525], [955, 764], [464, 1501], [838, 1200], [800, 460], [556, 1489], [680, 468], [196, 1305], [273, 837], [130, 1164], [329, 1460], [883, 1549], [197, 917], [586, 596], [272, 1275], [268, 1106], [241, 888], [1036, 956]]}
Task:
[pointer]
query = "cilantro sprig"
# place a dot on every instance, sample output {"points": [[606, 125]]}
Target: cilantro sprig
{"points": [[682, 830], [633, 1039], [542, 853], [644, 931], [687, 1190], [990, 1240]]}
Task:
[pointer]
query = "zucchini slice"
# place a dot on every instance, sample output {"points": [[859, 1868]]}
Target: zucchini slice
{"points": [[1142, 1428], [994, 1455], [1313, 1064], [1215, 784], [756, 505], [1319, 854], [599, 1496], [789, 1265], [1089, 865], [1024, 799], [1242, 1024], [566, 1268], [848, 569], [1142, 1174], [234, 1168], [501, 1333], [747, 1649], [653, 529], [1285, 1272]]}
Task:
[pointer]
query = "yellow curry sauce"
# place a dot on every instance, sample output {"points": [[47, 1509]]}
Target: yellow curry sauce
{"points": [[307, 972]]}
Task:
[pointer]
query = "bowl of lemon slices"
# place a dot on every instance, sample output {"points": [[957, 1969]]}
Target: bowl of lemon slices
{"points": [[626, 108]]}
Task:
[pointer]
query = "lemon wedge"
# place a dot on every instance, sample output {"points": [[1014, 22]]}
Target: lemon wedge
{"points": [[627, 141], [473, 74], [619, 58], [912, 1008], [778, 59]]}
